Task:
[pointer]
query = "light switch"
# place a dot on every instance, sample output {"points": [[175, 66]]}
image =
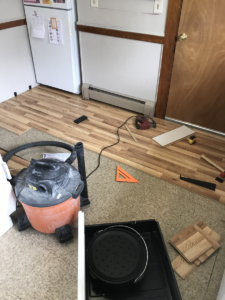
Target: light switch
{"points": [[158, 7], [94, 3]]}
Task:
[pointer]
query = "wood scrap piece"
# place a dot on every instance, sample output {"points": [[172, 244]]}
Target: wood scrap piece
{"points": [[191, 243], [182, 267], [198, 262], [204, 256], [209, 231], [134, 138], [215, 236], [215, 244], [173, 136]]}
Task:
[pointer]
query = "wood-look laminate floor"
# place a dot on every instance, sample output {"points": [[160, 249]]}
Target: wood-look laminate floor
{"points": [[53, 111]]}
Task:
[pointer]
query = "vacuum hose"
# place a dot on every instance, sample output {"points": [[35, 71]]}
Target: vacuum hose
{"points": [[81, 166], [69, 160]]}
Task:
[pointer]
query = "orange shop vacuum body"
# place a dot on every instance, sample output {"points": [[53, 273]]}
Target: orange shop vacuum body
{"points": [[50, 192]]}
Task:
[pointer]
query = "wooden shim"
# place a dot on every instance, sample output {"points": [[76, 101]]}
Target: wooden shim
{"points": [[212, 163], [173, 136], [131, 133]]}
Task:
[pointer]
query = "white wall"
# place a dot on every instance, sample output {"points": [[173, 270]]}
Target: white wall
{"points": [[128, 15], [11, 10], [16, 66], [121, 65], [124, 66]]}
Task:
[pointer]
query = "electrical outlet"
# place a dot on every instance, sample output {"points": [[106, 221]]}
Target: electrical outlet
{"points": [[94, 3], [158, 7]]}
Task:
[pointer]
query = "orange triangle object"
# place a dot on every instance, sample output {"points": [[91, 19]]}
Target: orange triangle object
{"points": [[126, 177]]}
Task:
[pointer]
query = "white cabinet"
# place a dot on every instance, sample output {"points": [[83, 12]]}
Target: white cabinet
{"points": [[7, 201]]}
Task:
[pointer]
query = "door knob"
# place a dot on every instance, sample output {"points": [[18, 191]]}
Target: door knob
{"points": [[182, 37]]}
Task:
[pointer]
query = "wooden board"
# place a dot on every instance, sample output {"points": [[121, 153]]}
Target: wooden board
{"points": [[215, 236], [182, 267], [191, 243], [174, 135], [53, 111]]}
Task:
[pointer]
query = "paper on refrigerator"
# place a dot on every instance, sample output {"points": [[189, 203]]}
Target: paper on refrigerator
{"points": [[37, 26], [55, 35]]}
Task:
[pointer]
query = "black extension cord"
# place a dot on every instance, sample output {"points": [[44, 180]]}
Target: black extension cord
{"points": [[99, 157]]}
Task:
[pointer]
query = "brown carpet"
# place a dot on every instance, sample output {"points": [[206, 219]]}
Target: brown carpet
{"points": [[35, 266]]}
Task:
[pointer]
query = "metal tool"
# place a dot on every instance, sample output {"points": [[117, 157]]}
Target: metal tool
{"points": [[207, 185], [192, 140], [144, 123]]}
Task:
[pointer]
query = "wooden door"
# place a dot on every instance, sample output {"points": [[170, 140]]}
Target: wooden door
{"points": [[197, 90]]}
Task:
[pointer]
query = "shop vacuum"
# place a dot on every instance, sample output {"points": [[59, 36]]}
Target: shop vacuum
{"points": [[51, 191]]}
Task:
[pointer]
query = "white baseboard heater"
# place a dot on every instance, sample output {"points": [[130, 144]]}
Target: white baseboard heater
{"points": [[145, 107]]}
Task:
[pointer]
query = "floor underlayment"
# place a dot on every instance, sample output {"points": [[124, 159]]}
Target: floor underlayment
{"points": [[35, 266]]}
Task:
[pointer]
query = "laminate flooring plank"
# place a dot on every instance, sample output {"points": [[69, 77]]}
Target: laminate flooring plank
{"points": [[210, 135], [36, 125], [60, 126], [134, 163], [53, 91], [214, 154], [13, 126], [153, 168], [192, 187], [220, 191], [222, 199], [53, 111], [6, 105], [13, 116], [43, 109], [188, 153], [28, 109], [125, 137]]}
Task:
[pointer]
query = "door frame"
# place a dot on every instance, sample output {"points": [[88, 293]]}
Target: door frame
{"points": [[170, 39]]}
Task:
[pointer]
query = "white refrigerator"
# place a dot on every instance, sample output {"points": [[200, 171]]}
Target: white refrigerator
{"points": [[54, 43]]}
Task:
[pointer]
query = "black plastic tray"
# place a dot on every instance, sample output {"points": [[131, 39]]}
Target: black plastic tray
{"points": [[159, 282]]}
